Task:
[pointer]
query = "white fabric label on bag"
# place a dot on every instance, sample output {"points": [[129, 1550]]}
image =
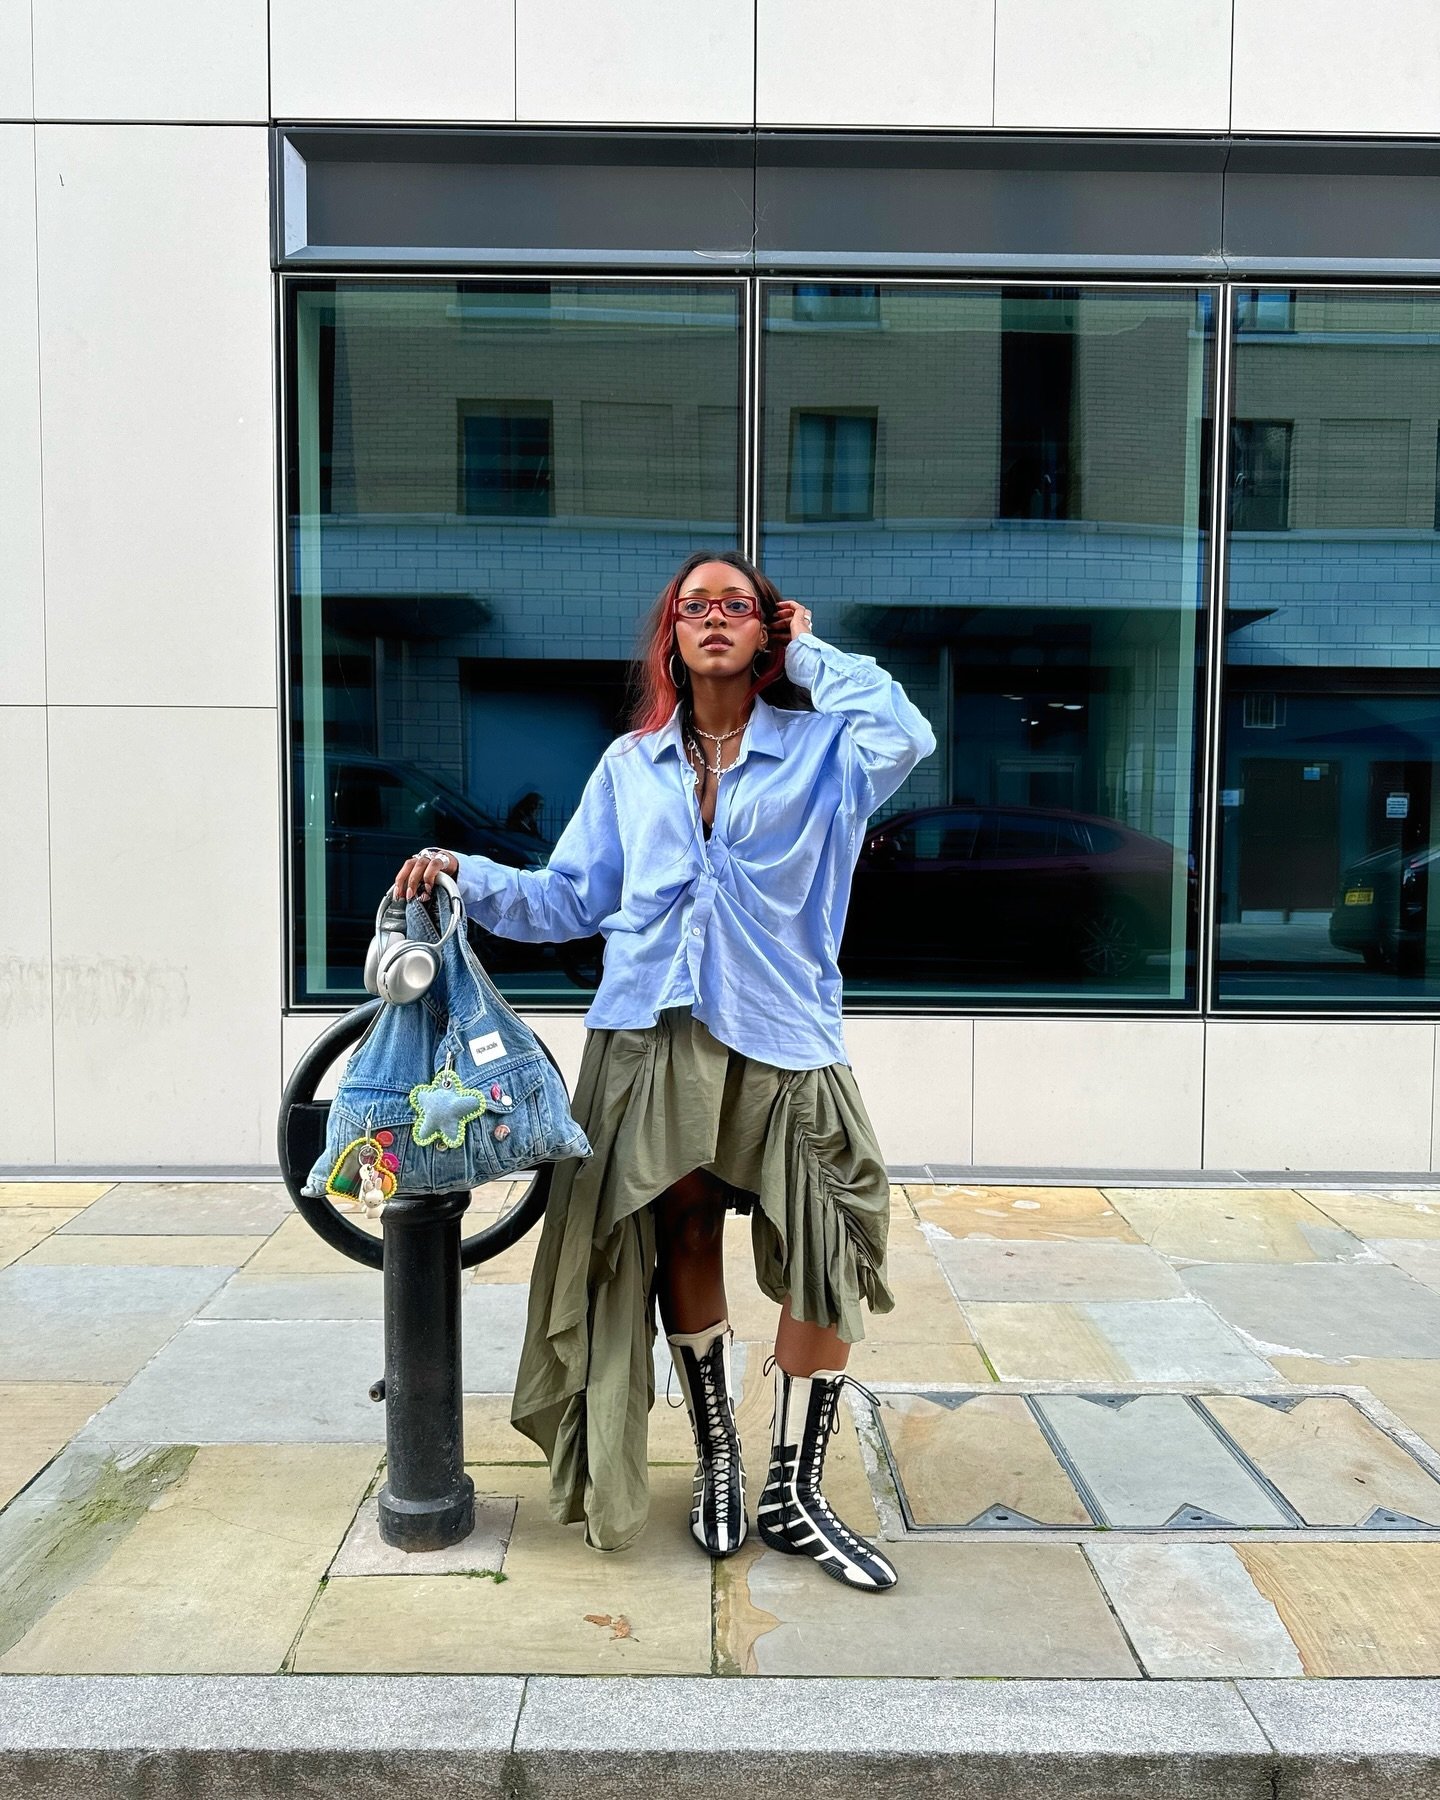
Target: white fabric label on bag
{"points": [[487, 1049]]}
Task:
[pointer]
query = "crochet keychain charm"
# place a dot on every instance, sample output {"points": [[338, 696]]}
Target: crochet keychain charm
{"points": [[443, 1107]]}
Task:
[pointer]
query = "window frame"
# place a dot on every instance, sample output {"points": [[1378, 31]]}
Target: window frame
{"points": [[1220, 294]]}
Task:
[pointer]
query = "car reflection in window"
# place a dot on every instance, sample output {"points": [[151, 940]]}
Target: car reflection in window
{"points": [[966, 887]]}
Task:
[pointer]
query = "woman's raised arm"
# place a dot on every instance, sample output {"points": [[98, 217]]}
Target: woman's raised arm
{"points": [[887, 731]]}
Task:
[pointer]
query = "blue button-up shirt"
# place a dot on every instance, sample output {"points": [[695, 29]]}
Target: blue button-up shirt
{"points": [[743, 926]]}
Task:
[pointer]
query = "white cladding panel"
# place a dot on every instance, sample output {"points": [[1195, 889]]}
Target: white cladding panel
{"points": [[27, 1065], [174, 60], [22, 565], [635, 62], [157, 426], [1332, 66], [167, 977]]}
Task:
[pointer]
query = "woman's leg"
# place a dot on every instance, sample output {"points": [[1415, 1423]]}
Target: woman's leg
{"points": [[689, 1253], [801, 1349]]}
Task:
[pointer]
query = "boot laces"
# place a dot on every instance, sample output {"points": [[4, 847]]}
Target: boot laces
{"points": [[829, 1425]]}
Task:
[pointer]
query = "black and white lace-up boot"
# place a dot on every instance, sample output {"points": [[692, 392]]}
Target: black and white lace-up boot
{"points": [[717, 1511], [793, 1514]]}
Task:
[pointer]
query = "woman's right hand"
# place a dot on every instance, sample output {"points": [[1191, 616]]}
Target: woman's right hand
{"points": [[417, 873]]}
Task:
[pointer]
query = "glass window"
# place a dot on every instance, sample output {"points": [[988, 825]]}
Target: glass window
{"points": [[488, 484], [1033, 569], [832, 466], [1329, 806], [1260, 475]]}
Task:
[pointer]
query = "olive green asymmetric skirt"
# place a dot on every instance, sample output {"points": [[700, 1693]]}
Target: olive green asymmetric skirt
{"points": [[797, 1149]]}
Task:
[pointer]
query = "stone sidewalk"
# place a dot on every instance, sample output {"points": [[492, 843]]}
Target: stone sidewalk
{"points": [[1121, 1433]]}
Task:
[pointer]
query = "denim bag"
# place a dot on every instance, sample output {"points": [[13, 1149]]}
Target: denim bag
{"points": [[448, 1091]]}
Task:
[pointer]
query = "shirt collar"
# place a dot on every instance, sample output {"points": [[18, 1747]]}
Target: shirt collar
{"points": [[765, 736]]}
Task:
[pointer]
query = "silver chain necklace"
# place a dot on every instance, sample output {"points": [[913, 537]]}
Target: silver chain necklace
{"points": [[716, 738]]}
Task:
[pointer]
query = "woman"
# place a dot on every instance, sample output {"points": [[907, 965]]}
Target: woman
{"points": [[713, 847]]}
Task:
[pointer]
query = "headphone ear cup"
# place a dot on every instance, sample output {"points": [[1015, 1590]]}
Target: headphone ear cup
{"points": [[372, 965], [406, 970]]}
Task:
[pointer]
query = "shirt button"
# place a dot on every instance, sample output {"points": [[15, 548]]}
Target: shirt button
{"points": [[695, 931]]}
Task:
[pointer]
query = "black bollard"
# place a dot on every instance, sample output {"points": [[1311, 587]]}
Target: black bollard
{"points": [[428, 1501]]}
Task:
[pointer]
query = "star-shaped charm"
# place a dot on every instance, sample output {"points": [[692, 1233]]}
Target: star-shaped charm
{"points": [[443, 1108]]}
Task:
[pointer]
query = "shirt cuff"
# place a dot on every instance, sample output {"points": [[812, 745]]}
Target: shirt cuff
{"points": [[803, 659]]}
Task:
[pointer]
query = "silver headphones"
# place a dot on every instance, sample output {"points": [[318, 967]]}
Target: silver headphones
{"points": [[400, 969]]}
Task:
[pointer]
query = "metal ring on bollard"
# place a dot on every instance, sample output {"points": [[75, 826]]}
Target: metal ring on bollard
{"points": [[302, 1138]]}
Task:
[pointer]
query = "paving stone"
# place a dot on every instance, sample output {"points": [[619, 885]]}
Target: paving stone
{"points": [[1150, 1459], [654, 1599], [254, 1381], [1322, 1309], [365, 1552], [960, 1458], [1408, 1388], [22, 1228], [1191, 1610], [61, 1251], [1044, 1343], [1419, 1260], [1175, 1340], [1354, 1608], [68, 1196], [295, 1250], [489, 1435], [1019, 1212], [986, 1609], [93, 1324], [62, 1529], [926, 1310], [1055, 1272], [217, 1576], [492, 1327], [1327, 1459], [174, 1208], [1381, 1212], [357, 1296], [1234, 1225], [512, 1265], [40, 1419], [960, 1364]]}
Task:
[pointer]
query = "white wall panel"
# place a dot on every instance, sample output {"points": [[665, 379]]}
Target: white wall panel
{"points": [[1435, 1109], [1088, 1093], [150, 59], [1333, 66], [16, 91], [1123, 65], [157, 429], [914, 1076], [427, 60], [26, 1062], [635, 62], [913, 63], [1318, 1094], [22, 652], [167, 953]]}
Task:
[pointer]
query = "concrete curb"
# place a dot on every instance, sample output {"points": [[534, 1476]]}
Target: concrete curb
{"points": [[564, 1738]]}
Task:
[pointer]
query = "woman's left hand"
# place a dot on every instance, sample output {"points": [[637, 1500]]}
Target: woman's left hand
{"points": [[791, 619]]}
